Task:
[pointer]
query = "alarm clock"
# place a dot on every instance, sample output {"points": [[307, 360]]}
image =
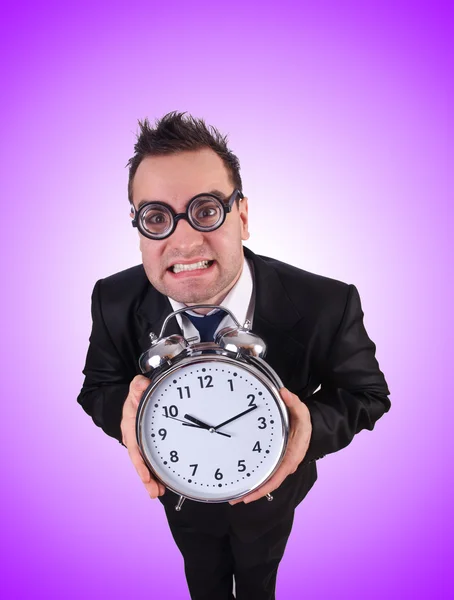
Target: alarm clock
{"points": [[211, 426]]}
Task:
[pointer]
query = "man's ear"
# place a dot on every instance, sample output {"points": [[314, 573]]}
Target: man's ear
{"points": [[131, 214], [244, 218]]}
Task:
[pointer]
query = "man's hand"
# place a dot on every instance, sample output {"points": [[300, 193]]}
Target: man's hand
{"points": [[298, 443], [128, 430]]}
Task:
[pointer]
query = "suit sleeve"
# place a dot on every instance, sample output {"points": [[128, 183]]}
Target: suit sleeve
{"points": [[107, 379], [353, 393]]}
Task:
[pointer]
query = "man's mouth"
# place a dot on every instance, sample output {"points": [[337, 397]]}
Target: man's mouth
{"points": [[180, 267]]}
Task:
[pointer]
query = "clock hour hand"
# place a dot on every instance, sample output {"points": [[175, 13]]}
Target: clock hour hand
{"points": [[234, 418], [197, 422], [203, 425]]}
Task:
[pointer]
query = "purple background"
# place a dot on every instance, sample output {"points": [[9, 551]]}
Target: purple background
{"points": [[341, 113]]}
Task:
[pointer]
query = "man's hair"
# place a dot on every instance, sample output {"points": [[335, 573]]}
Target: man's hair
{"points": [[176, 133]]}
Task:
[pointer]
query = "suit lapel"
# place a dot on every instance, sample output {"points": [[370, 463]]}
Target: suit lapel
{"points": [[275, 319], [151, 313]]}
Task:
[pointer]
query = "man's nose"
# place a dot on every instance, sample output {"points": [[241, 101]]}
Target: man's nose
{"points": [[185, 237]]}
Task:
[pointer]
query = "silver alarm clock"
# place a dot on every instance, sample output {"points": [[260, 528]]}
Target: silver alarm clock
{"points": [[211, 426]]}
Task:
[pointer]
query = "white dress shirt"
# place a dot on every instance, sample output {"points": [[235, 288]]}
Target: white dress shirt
{"points": [[240, 301]]}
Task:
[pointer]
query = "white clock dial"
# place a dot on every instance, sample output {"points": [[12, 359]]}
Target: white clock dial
{"points": [[213, 429]]}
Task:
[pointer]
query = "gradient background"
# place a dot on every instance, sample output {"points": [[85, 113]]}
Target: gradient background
{"points": [[341, 115]]}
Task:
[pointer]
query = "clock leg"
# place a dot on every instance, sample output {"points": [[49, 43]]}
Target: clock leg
{"points": [[269, 497], [181, 499]]}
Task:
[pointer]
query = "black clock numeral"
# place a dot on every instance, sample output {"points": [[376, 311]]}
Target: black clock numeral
{"points": [[171, 411], [241, 465], [195, 469], [162, 432], [174, 456], [208, 381], [252, 403], [218, 475], [263, 421], [180, 391], [257, 447], [231, 384]]}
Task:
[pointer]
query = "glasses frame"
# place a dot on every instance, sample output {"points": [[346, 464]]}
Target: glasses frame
{"points": [[226, 205]]}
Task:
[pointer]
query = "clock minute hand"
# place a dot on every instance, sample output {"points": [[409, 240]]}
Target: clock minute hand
{"points": [[235, 417], [181, 421]]}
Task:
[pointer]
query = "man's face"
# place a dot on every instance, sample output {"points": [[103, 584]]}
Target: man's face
{"points": [[175, 179]]}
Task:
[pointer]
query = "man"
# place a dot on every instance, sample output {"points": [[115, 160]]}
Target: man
{"points": [[313, 327]]}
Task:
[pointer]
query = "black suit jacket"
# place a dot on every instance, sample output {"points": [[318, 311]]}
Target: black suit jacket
{"points": [[314, 330]]}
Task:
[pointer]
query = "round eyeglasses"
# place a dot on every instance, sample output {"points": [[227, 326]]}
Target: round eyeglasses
{"points": [[204, 212]]}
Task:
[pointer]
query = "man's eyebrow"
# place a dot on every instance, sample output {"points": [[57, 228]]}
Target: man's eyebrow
{"points": [[142, 202], [214, 192], [219, 194]]}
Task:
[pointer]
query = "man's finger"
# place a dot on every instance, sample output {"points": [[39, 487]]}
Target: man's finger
{"points": [[136, 389], [139, 383], [276, 480], [137, 461], [292, 401], [153, 487]]}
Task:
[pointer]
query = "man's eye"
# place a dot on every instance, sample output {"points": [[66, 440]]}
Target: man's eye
{"points": [[205, 213], [156, 218]]}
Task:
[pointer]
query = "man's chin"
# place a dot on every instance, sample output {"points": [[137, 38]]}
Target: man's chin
{"points": [[192, 298], [189, 289]]}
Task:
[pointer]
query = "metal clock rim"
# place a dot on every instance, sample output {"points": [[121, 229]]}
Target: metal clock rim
{"points": [[244, 362]]}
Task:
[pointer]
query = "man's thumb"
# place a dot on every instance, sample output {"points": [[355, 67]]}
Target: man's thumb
{"points": [[291, 401], [138, 385]]}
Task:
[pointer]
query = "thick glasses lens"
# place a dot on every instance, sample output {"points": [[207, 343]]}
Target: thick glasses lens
{"points": [[206, 213], [156, 220]]}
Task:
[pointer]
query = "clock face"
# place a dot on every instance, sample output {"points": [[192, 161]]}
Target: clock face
{"points": [[212, 429]]}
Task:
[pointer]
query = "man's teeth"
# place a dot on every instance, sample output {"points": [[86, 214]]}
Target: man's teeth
{"points": [[203, 264]]}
